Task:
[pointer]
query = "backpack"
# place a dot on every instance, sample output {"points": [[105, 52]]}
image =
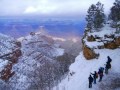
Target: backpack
{"points": [[96, 75]]}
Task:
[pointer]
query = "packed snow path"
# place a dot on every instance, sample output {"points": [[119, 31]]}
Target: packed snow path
{"points": [[83, 67]]}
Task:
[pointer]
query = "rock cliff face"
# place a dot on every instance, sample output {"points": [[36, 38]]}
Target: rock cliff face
{"points": [[29, 62], [89, 53], [117, 41], [106, 38], [24, 62], [110, 45], [9, 54]]}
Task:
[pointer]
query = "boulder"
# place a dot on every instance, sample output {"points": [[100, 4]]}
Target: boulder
{"points": [[91, 38], [117, 41], [89, 53], [111, 45]]}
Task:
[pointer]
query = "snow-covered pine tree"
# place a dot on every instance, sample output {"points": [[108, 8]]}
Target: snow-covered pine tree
{"points": [[115, 12], [95, 17], [115, 16], [90, 16], [99, 16]]}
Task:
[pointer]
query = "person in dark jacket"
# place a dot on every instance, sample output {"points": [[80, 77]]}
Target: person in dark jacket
{"points": [[100, 72], [107, 67], [94, 77], [90, 81], [109, 60], [108, 63]]}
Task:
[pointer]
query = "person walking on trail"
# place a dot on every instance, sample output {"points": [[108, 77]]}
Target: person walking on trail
{"points": [[95, 76], [107, 67], [100, 72], [109, 60], [90, 81], [108, 64]]}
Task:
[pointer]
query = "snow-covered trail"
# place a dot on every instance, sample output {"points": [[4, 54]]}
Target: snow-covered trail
{"points": [[83, 67]]}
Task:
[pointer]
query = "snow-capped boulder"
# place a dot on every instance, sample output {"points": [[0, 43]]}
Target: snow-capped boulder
{"points": [[89, 53], [91, 38], [110, 45]]}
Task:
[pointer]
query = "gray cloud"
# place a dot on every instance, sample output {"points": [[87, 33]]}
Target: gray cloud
{"points": [[49, 7]]}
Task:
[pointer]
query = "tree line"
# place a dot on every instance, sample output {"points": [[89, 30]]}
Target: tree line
{"points": [[96, 17]]}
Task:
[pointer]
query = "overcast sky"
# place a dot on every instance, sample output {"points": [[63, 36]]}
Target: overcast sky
{"points": [[49, 7]]}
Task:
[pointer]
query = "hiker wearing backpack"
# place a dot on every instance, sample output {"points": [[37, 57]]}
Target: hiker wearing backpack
{"points": [[100, 72], [95, 76], [108, 63], [90, 81]]}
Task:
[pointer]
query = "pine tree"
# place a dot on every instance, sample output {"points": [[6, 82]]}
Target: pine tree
{"points": [[96, 16], [115, 16], [115, 12], [90, 16], [99, 16]]}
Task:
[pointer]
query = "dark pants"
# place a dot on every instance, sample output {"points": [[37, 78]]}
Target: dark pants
{"points": [[94, 80], [106, 70], [101, 76], [90, 84]]}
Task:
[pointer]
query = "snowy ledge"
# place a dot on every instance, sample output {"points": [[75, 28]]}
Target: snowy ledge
{"points": [[83, 67]]}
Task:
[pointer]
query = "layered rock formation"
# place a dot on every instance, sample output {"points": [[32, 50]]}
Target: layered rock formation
{"points": [[9, 54]]}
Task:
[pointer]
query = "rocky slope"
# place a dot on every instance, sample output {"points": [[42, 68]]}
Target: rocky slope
{"points": [[97, 45], [9, 55], [107, 38], [29, 62]]}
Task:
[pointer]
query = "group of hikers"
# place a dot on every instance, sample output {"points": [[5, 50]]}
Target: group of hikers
{"points": [[93, 76]]}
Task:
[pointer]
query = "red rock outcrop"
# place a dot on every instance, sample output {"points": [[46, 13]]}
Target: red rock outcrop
{"points": [[89, 53], [117, 41], [12, 57], [111, 45]]}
